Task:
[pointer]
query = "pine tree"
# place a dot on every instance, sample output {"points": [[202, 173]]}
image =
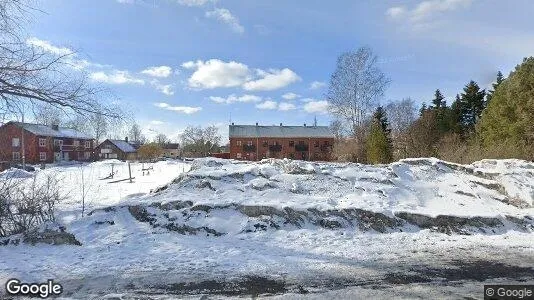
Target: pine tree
{"points": [[507, 121], [379, 143], [471, 105], [422, 109], [500, 79], [438, 100]]}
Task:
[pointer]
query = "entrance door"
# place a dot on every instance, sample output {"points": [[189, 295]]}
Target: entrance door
{"points": [[66, 156], [57, 156]]}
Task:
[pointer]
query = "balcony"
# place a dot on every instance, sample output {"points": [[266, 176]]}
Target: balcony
{"points": [[301, 147], [275, 148], [68, 148], [249, 148]]}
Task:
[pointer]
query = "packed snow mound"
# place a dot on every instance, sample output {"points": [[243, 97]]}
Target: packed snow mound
{"points": [[15, 173], [426, 186]]}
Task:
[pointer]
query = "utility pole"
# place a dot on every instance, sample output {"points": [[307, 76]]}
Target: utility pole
{"points": [[23, 145]]}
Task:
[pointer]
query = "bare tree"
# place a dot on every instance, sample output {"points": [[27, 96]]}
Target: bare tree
{"points": [[135, 134], [31, 75], [46, 114], [401, 116], [356, 86], [161, 139], [201, 141]]}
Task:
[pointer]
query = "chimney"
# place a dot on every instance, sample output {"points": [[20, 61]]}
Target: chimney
{"points": [[280, 124], [55, 127], [256, 123], [126, 139], [304, 124], [232, 123]]}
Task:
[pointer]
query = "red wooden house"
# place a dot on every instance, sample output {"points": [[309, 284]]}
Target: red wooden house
{"points": [[43, 144]]}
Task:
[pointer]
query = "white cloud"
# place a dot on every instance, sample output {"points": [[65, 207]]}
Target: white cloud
{"points": [[115, 77], [233, 99], [167, 89], [272, 80], [126, 1], [317, 85], [215, 73], [156, 122], [225, 16], [284, 106], [290, 96], [161, 71], [267, 105], [193, 2], [396, 11], [182, 109], [426, 9], [48, 47], [316, 106]]}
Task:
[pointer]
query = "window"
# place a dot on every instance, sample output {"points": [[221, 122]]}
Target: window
{"points": [[316, 144], [87, 155], [249, 143], [42, 156], [265, 144], [15, 142], [58, 142], [88, 144], [325, 143], [16, 155], [239, 143], [301, 142], [291, 143], [76, 143], [42, 142], [238, 155]]}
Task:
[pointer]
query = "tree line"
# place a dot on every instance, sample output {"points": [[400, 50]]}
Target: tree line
{"points": [[478, 124]]}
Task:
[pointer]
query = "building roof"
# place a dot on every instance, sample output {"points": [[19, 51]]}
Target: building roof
{"points": [[171, 146], [45, 130], [257, 131], [124, 146]]}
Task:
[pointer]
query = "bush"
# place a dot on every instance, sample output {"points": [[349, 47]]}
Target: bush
{"points": [[149, 151], [25, 206]]}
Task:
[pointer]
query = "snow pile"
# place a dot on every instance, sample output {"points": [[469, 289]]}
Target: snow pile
{"points": [[14, 173]]}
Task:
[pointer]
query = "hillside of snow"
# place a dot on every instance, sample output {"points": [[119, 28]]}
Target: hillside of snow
{"points": [[287, 228]]}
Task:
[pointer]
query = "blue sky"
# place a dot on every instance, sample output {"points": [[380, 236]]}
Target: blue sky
{"points": [[175, 63]]}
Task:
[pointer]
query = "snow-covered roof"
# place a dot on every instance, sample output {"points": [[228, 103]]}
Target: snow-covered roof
{"points": [[44, 130], [124, 146], [280, 131]]}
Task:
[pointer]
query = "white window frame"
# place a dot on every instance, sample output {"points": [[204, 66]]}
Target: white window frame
{"points": [[238, 155], [16, 155], [42, 142], [249, 143], [58, 142], [87, 144], [42, 156], [15, 142], [76, 143], [239, 143], [87, 155]]}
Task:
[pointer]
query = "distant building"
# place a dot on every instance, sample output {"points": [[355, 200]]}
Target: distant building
{"points": [[171, 150], [43, 144], [255, 142], [116, 149]]}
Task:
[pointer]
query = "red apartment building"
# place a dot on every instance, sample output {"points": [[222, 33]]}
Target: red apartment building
{"points": [[43, 144], [255, 142]]}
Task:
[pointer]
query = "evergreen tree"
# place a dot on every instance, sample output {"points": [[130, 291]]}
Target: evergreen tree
{"points": [[471, 104], [422, 109], [500, 79], [454, 116], [438, 100], [507, 121], [379, 143]]}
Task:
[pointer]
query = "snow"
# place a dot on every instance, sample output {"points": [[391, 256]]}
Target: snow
{"points": [[119, 252], [14, 173]]}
